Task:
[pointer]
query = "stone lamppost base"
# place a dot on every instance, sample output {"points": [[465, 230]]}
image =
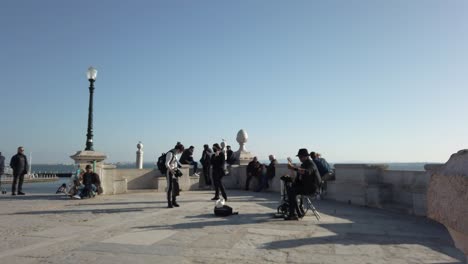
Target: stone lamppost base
{"points": [[87, 156]]}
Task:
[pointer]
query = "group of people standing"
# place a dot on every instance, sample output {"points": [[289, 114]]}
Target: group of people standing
{"points": [[216, 158], [262, 172]]}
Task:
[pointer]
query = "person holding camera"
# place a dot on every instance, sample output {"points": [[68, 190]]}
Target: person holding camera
{"points": [[218, 160], [307, 181], [173, 172]]}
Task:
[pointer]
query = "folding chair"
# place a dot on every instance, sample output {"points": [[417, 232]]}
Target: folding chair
{"points": [[308, 205]]}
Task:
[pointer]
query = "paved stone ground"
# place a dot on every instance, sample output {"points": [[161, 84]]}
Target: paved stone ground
{"points": [[137, 228]]}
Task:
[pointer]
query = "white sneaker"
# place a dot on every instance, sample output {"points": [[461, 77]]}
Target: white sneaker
{"points": [[196, 174], [76, 197]]}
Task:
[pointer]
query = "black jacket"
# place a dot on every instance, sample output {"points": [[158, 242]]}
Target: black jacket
{"points": [[271, 169], [309, 181], [91, 178], [187, 157], [19, 164], [218, 163], [254, 168]]}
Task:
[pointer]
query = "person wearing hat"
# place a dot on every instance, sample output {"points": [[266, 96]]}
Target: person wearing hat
{"points": [[172, 164], [306, 182], [218, 159]]}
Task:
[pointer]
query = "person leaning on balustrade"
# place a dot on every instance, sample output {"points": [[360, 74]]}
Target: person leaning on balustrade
{"points": [[254, 169], [269, 174]]}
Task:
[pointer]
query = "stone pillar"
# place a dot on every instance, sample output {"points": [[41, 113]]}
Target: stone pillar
{"points": [[243, 157], [139, 156], [447, 198]]}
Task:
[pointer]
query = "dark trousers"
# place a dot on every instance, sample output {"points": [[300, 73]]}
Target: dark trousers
{"points": [[217, 176], [292, 199], [195, 166], [249, 178], [19, 176], [206, 174], [171, 195], [263, 183]]}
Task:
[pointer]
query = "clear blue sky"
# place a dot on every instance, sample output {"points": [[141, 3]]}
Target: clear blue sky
{"points": [[354, 80]]}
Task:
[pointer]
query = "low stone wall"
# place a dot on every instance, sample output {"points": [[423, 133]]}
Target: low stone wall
{"points": [[362, 184], [374, 186], [409, 188]]}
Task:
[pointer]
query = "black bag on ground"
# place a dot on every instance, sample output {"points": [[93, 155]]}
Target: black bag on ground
{"points": [[224, 211]]}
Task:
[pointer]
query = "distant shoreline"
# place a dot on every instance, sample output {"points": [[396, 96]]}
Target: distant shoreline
{"points": [[61, 168]]}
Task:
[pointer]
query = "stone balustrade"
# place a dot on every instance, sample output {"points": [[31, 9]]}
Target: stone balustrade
{"points": [[361, 184]]}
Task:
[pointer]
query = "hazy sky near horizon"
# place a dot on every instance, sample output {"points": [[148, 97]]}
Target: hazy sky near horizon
{"points": [[353, 80]]}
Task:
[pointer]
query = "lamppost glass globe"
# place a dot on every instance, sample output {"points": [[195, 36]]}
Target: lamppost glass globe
{"points": [[92, 73]]}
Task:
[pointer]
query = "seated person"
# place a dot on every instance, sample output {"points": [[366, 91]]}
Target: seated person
{"points": [[91, 184], [270, 173], [307, 182], [254, 169], [187, 158], [75, 185], [325, 171]]}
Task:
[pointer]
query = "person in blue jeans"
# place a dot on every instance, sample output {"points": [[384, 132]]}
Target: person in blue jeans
{"points": [[269, 174], [187, 158], [91, 183]]}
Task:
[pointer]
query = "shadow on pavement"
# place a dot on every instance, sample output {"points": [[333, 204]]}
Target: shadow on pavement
{"points": [[93, 211]]}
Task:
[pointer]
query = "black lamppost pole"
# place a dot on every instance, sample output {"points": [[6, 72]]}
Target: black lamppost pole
{"points": [[91, 74]]}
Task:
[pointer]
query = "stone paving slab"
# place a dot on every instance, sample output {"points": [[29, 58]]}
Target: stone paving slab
{"points": [[137, 228]]}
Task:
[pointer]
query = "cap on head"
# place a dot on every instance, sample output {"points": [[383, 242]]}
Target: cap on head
{"points": [[89, 166], [302, 153]]}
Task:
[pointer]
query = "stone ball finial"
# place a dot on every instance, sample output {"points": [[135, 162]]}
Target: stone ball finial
{"points": [[242, 137], [139, 145]]}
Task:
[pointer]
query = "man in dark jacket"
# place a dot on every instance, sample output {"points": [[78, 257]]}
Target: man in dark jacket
{"points": [[270, 173], [217, 161], [206, 163], [187, 158], [254, 169], [19, 164], [230, 158], [2, 164], [91, 183], [321, 163], [307, 182]]}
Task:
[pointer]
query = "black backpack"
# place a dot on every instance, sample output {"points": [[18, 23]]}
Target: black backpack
{"points": [[161, 164], [224, 211]]}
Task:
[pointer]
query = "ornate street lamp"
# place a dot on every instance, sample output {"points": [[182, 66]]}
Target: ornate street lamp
{"points": [[91, 74]]}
